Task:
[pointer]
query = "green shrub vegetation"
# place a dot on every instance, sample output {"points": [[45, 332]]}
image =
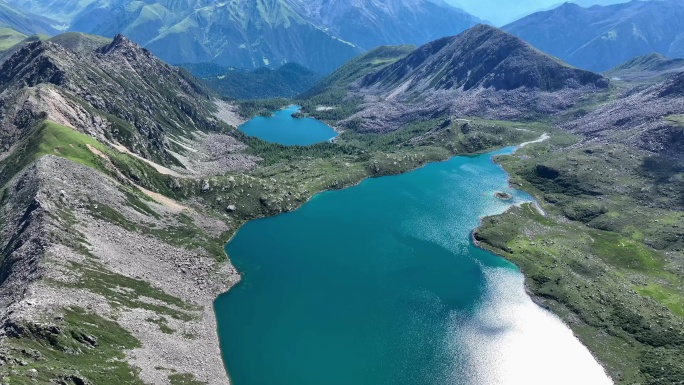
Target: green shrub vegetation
{"points": [[75, 348], [184, 379], [607, 256]]}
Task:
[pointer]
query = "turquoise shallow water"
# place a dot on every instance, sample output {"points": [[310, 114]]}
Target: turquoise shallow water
{"points": [[282, 128], [363, 285]]}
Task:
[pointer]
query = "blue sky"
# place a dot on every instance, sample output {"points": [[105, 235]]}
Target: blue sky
{"points": [[501, 12]]}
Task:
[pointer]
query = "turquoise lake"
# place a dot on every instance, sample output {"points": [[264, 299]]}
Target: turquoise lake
{"points": [[380, 284], [282, 128]]}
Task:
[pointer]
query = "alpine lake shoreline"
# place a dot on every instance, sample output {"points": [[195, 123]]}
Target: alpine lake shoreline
{"points": [[610, 332], [119, 193], [600, 270], [528, 137], [288, 176]]}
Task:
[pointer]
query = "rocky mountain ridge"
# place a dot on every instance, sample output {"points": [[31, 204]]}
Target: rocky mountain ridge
{"points": [[481, 72], [99, 271], [482, 57], [64, 258], [82, 82]]}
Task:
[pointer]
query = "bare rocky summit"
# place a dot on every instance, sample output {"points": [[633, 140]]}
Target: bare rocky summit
{"points": [[481, 57], [78, 81], [482, 72]]}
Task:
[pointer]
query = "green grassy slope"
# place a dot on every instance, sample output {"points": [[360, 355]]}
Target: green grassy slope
{"points": [[49, 138], [331, 92], [369, 62], [9, 37], [608, 257]]}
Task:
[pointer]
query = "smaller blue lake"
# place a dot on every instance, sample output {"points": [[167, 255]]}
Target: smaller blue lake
{"points": [[282, 128]]}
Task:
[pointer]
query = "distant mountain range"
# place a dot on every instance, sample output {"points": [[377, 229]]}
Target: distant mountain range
{"points": [[319, 34], [324, 34], [501, 12], [372, 23], [23, 21], [601, 37]]}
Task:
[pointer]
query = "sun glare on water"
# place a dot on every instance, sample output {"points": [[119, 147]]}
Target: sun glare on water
{"points": [[511, 340]]}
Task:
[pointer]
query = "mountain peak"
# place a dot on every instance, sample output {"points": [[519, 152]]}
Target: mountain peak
{"points": [[122, 44], [120, 39], [483, 56], [569, 6], [483, 28], [74, 84]]}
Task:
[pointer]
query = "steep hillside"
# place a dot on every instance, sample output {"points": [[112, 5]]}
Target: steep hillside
{"points": [[320, 35], [24, 21], [601, 37], [373, 23], [648, 118], [99, 271], [329, 100], [287, 81], [481, 72], [648, 68], [110, 89], [9, 38], [482, 57], [369, 62]]}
